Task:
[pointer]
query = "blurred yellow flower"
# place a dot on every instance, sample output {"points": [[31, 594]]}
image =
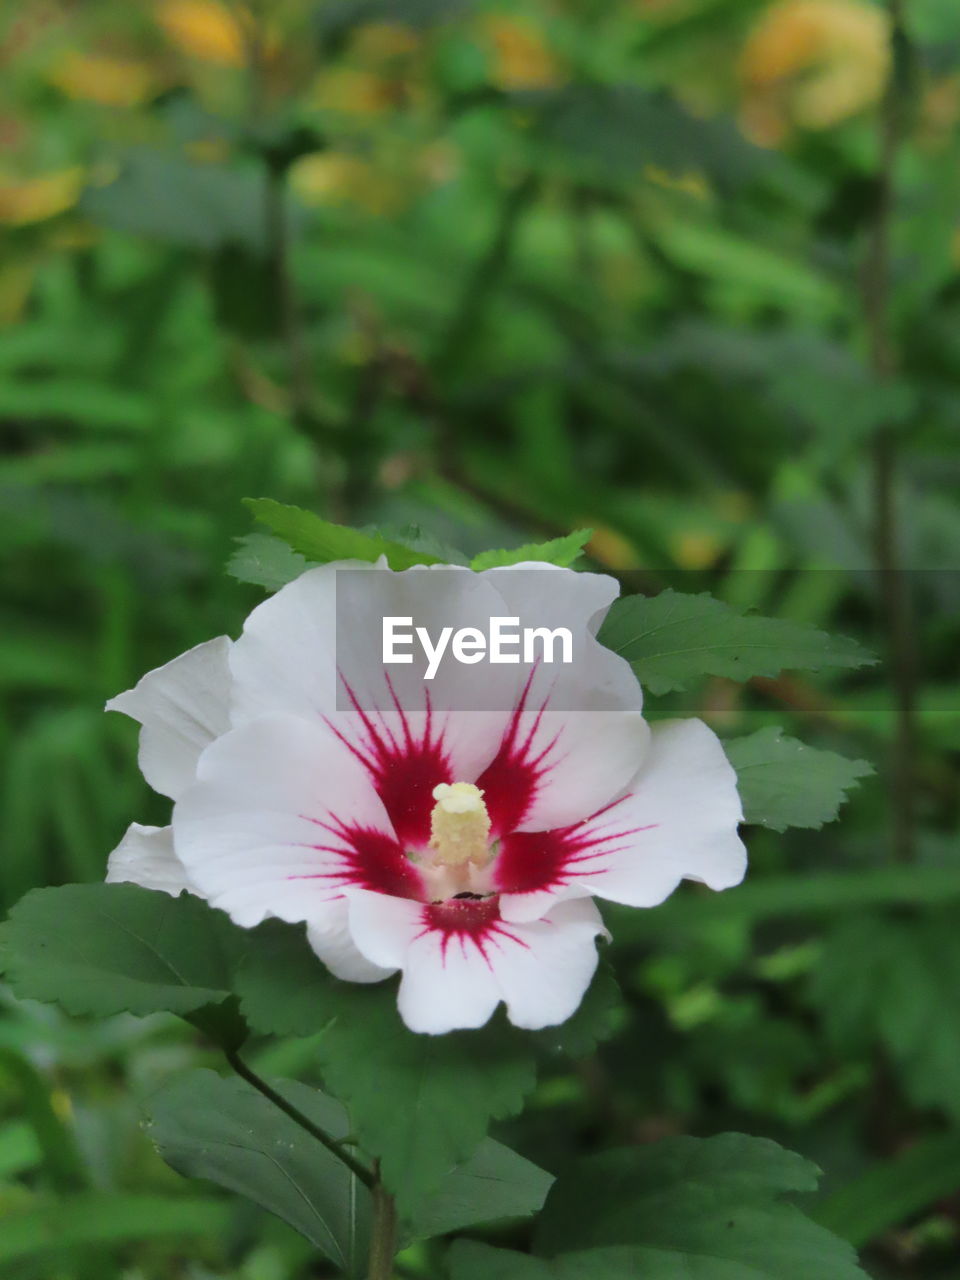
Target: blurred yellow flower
{"points": [[204, 29], [940, 110], [438, 162], [112, 82], [813, 63], [380, 42], [695, 549], [27, 200], [521, 58], [610, 548], [337, 178], [353, 92]]}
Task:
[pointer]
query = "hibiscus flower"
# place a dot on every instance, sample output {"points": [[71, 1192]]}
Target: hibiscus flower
{"points": [[457, 838]]}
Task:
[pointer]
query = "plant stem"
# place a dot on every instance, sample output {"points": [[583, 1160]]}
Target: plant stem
{"points": [[333, 1146], [893, 583], [291, 320], [383, 1242]]}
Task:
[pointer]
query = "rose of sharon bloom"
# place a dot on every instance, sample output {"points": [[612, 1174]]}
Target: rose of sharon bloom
{"points": [[463, 848]]}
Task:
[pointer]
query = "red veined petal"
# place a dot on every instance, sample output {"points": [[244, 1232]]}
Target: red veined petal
{"points": [[405, 761], [363, 858]]}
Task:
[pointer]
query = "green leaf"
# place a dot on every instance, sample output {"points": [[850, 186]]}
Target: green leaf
{"points": [[415, 538], [320, 541], [110, 948], [19, 1149], [784, 783], [199, 206], [673, 640], [748, 272], [607, 132], [494, 1184], [223, 1130], [892, 1192], [595, 1020], [265, 561], [443, 1091], [891, 980], [472, 1261], [562, 551], [68, 1223], [692, 1207]]}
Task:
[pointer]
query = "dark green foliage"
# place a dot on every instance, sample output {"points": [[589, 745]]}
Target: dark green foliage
{"points": [[683, 1207], [443, 1090], [226, 1132], [114, 948], [438, 277]]}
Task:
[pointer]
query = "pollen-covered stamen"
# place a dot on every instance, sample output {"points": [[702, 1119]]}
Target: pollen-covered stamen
{"points": [[459, 825]]}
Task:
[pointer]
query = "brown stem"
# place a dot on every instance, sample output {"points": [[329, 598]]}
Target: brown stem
{"points": [[296, 1115], [883, 359], [383, 1242]]}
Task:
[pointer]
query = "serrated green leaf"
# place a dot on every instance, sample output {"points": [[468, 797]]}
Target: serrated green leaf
{"points": [[116, 948], [561, 551], [784, 783], [223, 1130], [692, 1207], [415, 538], [673, 640], [493, 1185], [265, 561], [320, 541], [443, 1090]]}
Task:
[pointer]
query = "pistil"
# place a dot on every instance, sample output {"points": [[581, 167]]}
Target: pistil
{"points": [[459, 826]]}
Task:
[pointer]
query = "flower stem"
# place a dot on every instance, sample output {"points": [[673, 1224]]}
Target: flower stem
{"points": [[383, 1243], [333, 1146]]}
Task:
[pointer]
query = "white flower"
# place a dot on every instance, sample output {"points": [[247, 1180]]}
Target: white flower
{"points": [[461, 847]]}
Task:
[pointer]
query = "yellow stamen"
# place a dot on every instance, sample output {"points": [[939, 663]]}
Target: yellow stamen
{"points": [[459, 825]]}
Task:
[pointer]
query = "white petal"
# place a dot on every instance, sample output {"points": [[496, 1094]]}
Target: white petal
{"points": [[269, 828], [678, 821], [542, 595], [329, 936], [182, 707], [454, 980], [145, 856], [570, 763], [288, 658], [445, 986], [544, 984]]}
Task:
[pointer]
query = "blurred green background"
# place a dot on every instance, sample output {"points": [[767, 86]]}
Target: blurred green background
{"points": [[686, 272]]}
